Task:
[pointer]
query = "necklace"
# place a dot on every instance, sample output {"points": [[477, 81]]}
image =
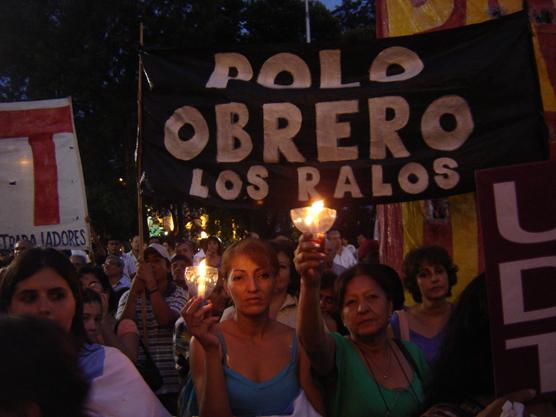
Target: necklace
{"points": [[388, 407], [385, 372]]}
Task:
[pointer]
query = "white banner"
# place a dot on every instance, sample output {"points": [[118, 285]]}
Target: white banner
{"points": [[41, 180]]}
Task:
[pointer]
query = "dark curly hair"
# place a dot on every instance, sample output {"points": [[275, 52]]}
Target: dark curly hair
{"points": [[434, 255]]}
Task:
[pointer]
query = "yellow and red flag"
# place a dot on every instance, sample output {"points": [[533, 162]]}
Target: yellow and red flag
{"points": [[404, 226]]}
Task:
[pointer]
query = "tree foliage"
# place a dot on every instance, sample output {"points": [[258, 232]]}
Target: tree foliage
{"points": [[88, 50], [356, 19], [283, 21]]}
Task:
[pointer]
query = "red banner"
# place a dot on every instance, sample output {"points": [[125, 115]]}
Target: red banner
{"points": [[517, 207]]}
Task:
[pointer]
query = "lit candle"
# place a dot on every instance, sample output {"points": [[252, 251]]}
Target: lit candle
{"points": [[315, 219], [312, 218], [201, 283], [201, 279]]}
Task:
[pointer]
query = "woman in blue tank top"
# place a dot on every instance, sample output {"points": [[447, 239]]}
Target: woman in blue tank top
{"points": [[249, 365]]}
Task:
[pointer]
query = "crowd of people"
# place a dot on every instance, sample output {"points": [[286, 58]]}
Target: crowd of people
{"points": [[289, 329]]}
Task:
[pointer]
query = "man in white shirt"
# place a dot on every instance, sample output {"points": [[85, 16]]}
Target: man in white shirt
{"points": [[131, 258], [201, 254], [343, 257]]}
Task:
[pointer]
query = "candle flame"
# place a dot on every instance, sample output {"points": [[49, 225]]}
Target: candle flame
{"points": [[201, 287], [317, 206], [314, 212]]}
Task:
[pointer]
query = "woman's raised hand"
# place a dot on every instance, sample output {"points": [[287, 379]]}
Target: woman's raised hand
{"points": [[308, 258], [201, 323]]}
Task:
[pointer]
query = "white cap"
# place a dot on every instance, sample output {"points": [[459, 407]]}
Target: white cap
{"points": [[158, 248]]}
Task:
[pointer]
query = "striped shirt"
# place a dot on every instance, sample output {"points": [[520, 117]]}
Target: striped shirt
{"points": [[160, 338]]}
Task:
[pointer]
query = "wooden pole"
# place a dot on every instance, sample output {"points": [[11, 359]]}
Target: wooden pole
{"points": [[139, 146], [139, 173], [307, 23]]}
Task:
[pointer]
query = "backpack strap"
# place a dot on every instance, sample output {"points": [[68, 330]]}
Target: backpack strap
{"points": [[409, 358]]}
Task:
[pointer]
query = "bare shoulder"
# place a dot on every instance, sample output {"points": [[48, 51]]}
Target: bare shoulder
{"points": [[413, 310], [281, 331], [282, 328], [415, 314], [226, 326]]}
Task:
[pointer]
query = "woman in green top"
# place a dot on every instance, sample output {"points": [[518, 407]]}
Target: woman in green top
{"points": [[364, 374]]}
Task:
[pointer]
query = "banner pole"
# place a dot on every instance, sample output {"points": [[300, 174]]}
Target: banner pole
{"points": [[307, 22], [139, 145], [139, 166]]}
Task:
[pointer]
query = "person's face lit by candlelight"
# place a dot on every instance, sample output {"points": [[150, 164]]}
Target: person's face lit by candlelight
{"points": [[250, 267]]}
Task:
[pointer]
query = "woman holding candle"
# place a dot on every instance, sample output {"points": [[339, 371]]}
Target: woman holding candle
{"points": [[364, 373], [283, 306], [251, 363]]}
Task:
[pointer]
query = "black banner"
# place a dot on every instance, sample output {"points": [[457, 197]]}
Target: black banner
{"points": [[398, 119]]}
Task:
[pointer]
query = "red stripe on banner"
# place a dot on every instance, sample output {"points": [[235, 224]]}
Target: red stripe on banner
{"points": [[24, 123], [390, 230], [46, 207], [438, 233], [381, 19], [547, 42]]}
